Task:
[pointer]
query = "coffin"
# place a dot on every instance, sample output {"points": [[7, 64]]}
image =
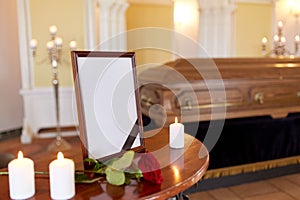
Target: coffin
{"points": [[256, 99], [204, 89]]}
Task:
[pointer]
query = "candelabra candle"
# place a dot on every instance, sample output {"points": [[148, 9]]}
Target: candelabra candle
{"points": [[264, 42], [58, 42], [73, 45], [33, 43], [279, 26], [52, 30]]}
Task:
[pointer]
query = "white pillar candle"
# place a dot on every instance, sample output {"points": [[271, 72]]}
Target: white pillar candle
{"points": [[176, 131], [62, 178], [21, 177]]}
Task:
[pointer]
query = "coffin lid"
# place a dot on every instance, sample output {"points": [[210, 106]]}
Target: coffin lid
{"points": [[196, 69]]}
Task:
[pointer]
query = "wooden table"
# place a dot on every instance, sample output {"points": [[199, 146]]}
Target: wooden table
{"points": [[178, 176]]}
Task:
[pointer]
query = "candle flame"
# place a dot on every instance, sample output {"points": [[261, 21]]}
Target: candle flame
{"points": [[60, 156], [176, 120], [20, 155]]}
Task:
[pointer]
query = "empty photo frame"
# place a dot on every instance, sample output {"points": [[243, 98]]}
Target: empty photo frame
{"points": [[108, 103]]}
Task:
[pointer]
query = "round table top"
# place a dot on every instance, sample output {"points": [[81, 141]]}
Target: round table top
{"points": [[181, 168]]}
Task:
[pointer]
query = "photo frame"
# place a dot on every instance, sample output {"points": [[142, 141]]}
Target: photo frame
{"points": [[108, 103]]}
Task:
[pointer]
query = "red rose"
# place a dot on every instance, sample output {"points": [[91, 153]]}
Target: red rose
{"points": [[150, 168]]}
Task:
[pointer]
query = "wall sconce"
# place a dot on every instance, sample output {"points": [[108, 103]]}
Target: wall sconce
{"points": [[54, 49], [294, 7], [182, 12]]}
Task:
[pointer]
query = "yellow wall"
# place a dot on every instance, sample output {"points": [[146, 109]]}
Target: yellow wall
{"points": [[68, 16], [253, 21], [149, 15]]}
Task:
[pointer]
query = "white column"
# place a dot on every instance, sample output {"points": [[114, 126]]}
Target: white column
{"points": [[118, 25], [216, 27], [24, 39], [104, 25], [26, 60], [122, 39], [90, 29], [114, 24], [111, 23]]}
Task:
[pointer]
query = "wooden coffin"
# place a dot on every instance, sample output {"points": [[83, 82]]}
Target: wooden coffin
{"points": [[221, 88]]}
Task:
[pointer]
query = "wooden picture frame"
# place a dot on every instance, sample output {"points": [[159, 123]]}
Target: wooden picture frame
{"points": [[108, 103]]}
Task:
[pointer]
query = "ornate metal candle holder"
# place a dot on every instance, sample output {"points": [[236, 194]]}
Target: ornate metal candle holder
{"points": [[54, 48], [279, 48]]}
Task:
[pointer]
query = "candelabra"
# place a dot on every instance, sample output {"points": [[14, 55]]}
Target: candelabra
{"points": [[280, 44], [54, 48]]}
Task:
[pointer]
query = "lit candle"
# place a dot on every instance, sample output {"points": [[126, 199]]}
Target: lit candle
{"points": [[50, 45], [176, 131], [264, 40], [62, 178], [297, 38], [58, 41], [280, 24], [53, 29], [276, 38], [21, 177], [33, 43], [73, 45], [279, 27]]}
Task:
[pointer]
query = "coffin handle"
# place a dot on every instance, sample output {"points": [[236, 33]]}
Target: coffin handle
{"points": [[259, 97]]}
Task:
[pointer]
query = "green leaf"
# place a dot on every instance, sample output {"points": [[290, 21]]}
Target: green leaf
{"points": [[127, 180], [91, 160], [101, 170], [115, 177], [113, 169], [110, 161], [123, 162], [83, 178], [97, 166], [137, 175], [134, 172]]}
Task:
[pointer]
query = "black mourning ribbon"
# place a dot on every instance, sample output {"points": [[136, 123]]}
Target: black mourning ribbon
{"points": [[131, 137]]}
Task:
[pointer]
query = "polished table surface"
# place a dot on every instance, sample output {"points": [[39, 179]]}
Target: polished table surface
{"points": [[179, 170]]}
